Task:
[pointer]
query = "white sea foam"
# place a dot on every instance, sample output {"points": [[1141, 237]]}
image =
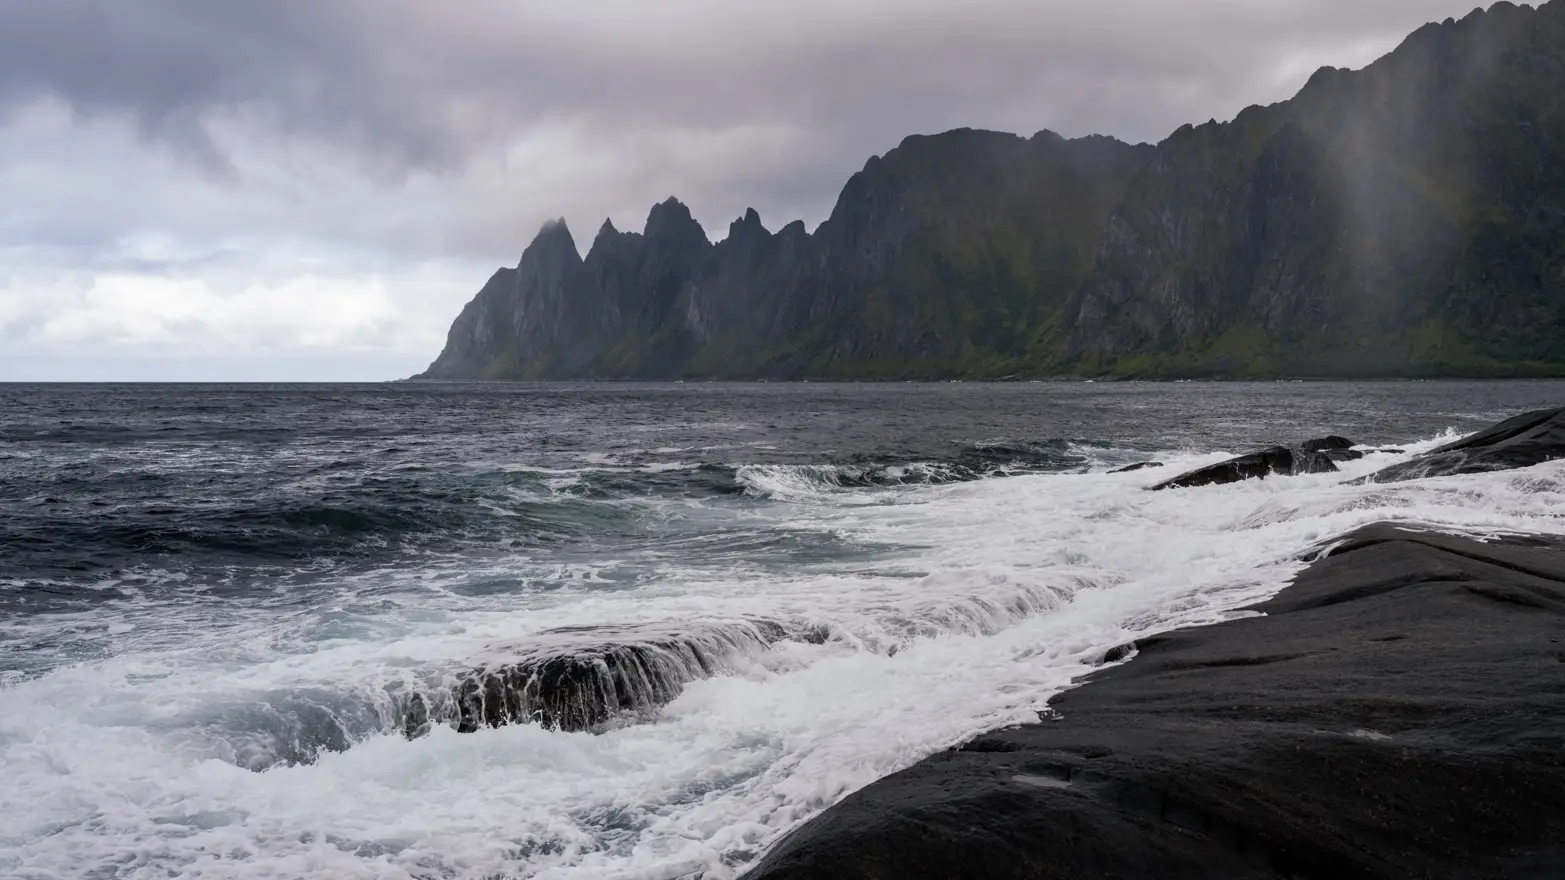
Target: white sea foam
{"points": [[969, 605]]}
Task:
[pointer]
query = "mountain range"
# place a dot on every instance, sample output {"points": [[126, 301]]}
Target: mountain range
{"points": [[1406, 219]]}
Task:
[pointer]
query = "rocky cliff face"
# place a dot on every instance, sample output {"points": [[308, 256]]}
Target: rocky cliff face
{"points": [[951, 250], [1408, 218]]}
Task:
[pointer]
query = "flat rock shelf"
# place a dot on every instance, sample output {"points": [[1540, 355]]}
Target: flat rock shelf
{"points": [[1398, 712]]}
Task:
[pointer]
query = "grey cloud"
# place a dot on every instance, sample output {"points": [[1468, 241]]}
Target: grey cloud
{"points": [[405, 84], [389, 89], [389, 138]]}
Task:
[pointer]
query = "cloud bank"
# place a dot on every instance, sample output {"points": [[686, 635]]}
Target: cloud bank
{"points": [[304, 189]]}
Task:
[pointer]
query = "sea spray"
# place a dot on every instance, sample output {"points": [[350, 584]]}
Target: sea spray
{"points": [[228, 717]]}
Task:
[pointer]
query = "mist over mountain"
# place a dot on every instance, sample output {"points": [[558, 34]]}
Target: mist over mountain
{"points": [[1404, 219]]}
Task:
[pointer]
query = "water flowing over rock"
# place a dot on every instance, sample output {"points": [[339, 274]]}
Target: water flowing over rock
{"points": [[1397, 712], [1277, 460], [584, 678]]}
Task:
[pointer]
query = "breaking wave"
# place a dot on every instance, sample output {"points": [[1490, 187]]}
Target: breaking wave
{"points": [[587, 678], [623, 669]]}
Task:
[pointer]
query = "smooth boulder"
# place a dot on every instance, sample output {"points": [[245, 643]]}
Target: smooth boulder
{"points": [[1526, 440], [1281, 460], [1398, 711]]}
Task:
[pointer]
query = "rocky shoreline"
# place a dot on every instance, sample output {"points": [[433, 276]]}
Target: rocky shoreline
{"points": [[1398, 711]]}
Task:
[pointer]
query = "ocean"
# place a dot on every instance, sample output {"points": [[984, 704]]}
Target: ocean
{"points": [[235, 620]]}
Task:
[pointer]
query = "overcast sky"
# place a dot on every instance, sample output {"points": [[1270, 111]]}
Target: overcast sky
{"points": [[311, 189]]}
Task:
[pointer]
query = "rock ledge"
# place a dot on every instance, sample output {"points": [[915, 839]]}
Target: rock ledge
{"points": [[1398, 712]]}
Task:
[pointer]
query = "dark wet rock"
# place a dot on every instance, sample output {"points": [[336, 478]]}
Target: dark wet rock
{"points": [[584, 678], [1399, 711], [1336, 448], [1526, 440], [1139, 466], [1281, 460], [1119, 652], [1331, 442]]}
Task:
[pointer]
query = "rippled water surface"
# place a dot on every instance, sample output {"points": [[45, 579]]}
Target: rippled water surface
{"points": [[238, 624]]}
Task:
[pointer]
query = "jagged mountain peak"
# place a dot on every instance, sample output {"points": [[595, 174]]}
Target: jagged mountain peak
{"points": [[747, 227], [554, 238], [670, 220], [669, 210], [554, 230], [1402, 219]]}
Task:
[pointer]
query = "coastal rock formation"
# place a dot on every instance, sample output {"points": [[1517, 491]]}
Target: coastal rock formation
{"points": [[1336, 448], [1398, 711], [1526, 440], [1280, 460], [580, 679], [1403, 219], [1329, 443]]}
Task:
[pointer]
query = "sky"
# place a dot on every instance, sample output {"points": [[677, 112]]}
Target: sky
{"points": [[309, 190]]}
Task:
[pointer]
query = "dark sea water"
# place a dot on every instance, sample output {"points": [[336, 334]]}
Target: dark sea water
{"points": [[217, 602]]}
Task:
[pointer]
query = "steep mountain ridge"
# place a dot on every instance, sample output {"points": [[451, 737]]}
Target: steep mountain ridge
{"points": [[1405, 219]]}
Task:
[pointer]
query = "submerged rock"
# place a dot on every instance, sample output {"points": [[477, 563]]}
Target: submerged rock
{"points": [[1140, 466], [1283, 460], [1528, 439], [1399, 711]]}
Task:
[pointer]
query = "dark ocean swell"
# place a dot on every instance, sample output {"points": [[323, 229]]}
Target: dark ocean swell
{"points": [[84, 523]]}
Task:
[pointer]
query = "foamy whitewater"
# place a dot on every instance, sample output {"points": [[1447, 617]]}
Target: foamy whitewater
{"points": [[197, 737]]}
